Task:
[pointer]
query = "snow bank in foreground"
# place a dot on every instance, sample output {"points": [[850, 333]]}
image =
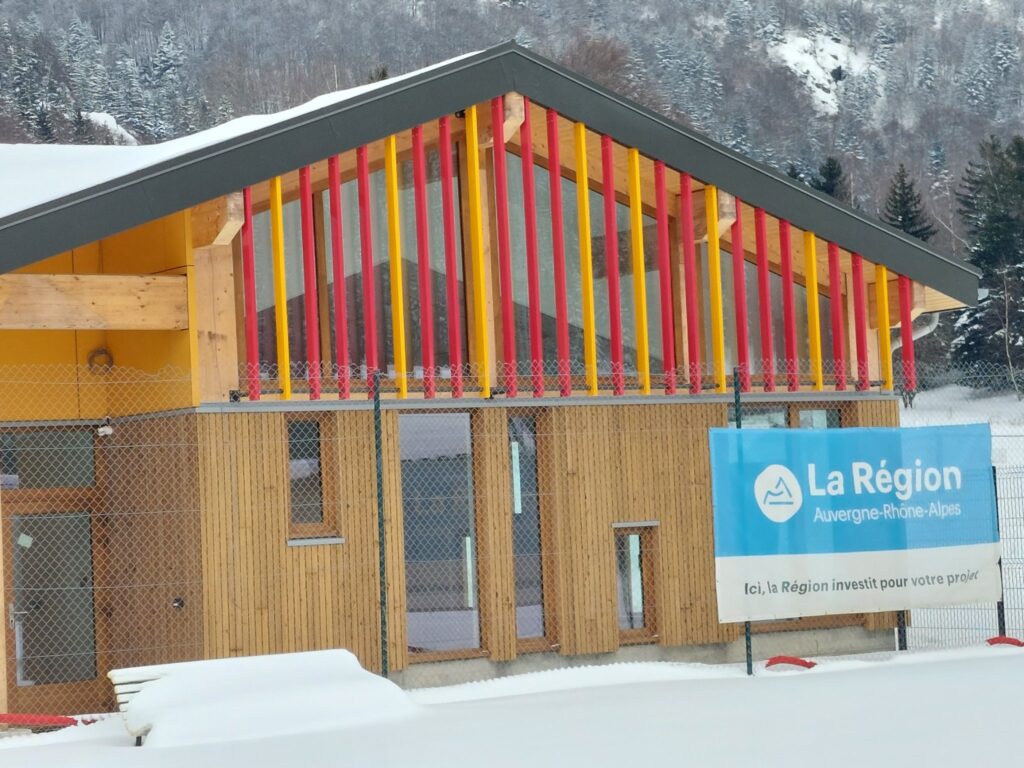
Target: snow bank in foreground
{"points": [[263, 696], [938, 709]]}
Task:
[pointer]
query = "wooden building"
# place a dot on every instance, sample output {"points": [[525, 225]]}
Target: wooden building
{"points": [[552, 286]]}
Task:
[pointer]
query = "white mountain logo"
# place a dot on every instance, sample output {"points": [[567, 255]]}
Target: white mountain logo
{"points": [[778, 493]]}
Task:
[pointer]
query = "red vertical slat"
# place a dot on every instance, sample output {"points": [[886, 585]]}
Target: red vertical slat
{"points": [[668, 334], [508, 317], [764, 300], [532, 265], [739, 294], [860, 321], [366, 249], [907, 334], [419, 181], [558, 256], [339, 288], [835, 295], [252, 341], [788, 308], [611, 264], [690, 280], [451, 275], [309, 301]]}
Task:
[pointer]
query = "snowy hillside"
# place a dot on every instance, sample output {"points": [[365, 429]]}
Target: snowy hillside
{"points": [[787, 81], [821, 63]]}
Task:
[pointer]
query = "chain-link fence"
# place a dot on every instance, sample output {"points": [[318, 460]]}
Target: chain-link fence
{"points": [[519, 533]]}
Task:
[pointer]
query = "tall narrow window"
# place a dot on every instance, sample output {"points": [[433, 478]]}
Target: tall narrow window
{"points": [[634, 561], [526, 531], [440, 532], [310, 512]]}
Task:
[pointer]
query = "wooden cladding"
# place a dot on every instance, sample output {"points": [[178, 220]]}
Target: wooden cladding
{"points": [[261, 595], [628, 464], [93, 302]]}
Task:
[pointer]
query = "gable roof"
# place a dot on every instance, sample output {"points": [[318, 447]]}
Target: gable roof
{"points": [[63, 196]]}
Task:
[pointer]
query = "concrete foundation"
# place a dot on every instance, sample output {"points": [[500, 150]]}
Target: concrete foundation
{"points": [[811, 643]]}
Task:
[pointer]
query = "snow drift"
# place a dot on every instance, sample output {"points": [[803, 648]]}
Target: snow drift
{"points": [[263, 696]]}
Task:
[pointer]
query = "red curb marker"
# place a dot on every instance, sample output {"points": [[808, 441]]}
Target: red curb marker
{"points": [[37, 721], [1004, 640], [795, 661]]}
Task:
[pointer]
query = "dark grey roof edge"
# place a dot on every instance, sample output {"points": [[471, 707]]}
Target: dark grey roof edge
{"points": [[679, 147], [209, 172]]}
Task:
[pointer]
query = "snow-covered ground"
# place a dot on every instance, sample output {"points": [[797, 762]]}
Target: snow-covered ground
{"points": [[951, 708]]}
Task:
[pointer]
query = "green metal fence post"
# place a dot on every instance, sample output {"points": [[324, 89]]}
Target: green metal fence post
{"points": [[378, 448], [738, 407]]}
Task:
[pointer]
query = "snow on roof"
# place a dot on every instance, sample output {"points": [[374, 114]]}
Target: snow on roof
{"points": [[47, 172]]}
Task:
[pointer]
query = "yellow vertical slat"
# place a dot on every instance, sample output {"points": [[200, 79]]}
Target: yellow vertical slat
{"points": [[715, 287], [636, 225], [586, 258], [882, 320], [395, 264], [284, 364], [192, 304], [813, 315], [476, 250]]}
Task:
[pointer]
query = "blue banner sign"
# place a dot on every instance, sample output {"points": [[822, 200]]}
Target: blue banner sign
{"points": [[813, 522]]}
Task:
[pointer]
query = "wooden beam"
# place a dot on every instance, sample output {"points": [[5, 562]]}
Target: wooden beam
{"points": [[93, 302], [726, 214], [918, 294], [217, 221], [216, 325]]}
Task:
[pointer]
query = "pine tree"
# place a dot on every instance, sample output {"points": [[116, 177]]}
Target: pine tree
{"points": [[904, 209], [163, 78], [82, 58], [925, 75], [129, 104], [979, 77], [991, 201], [225, 110], [832, 180], [44, 125]]}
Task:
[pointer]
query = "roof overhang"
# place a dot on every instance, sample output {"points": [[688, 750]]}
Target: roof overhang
{"points": [[191, 178]]}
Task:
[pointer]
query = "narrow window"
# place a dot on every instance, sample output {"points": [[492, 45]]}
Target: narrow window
{"points": [[310, 513], [526, 528], [634, 561], [438, 516]]}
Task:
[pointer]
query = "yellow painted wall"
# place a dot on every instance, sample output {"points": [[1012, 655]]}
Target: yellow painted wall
{"points": [[45, 373]]}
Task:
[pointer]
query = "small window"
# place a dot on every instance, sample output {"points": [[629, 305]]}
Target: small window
{"points": [[308, 508], [634, 561], [819, 418], [760, 417]]}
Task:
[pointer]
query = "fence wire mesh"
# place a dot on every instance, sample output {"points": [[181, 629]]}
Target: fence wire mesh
{"points": [[136, 533]]}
